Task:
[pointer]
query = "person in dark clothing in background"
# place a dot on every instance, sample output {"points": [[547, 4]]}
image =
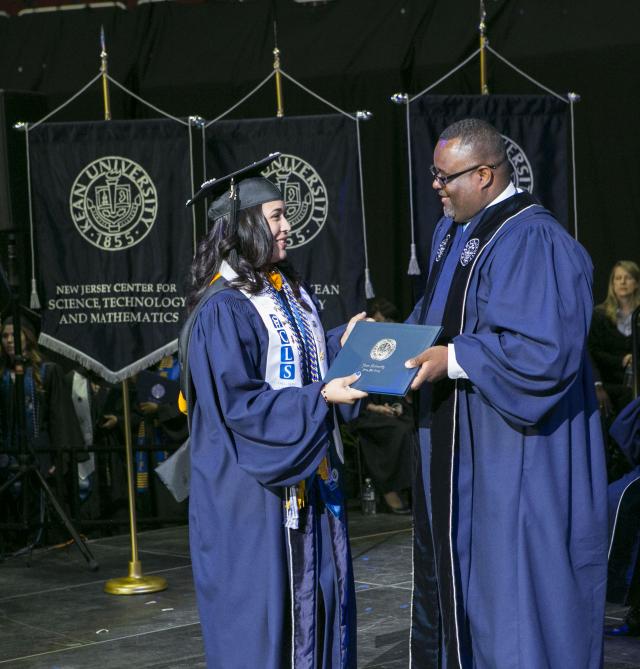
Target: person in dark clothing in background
{"points": [[610, 336], [50, 420], [387, 433], [610, 345], [159, 423]]}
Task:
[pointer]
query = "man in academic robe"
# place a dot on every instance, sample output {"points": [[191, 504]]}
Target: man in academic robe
{"points": [[511, 505]]}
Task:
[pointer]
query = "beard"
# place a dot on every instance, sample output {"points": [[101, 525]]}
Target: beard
{"points": [[448, 210]]}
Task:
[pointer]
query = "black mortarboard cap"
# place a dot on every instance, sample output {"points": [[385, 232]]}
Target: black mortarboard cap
{"points": [[239, 190]]}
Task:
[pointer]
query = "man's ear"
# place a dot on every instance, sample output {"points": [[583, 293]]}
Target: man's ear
{"points": [[487, 176]]}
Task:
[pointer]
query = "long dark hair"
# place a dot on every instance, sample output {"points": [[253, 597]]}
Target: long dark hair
{"points": [[247, 248], [31, 352]]}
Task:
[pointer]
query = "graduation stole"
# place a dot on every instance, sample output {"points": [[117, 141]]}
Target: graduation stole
{"points": [[312, 366], [296, 356], [31, 407], [444, 426], [168, 368]]}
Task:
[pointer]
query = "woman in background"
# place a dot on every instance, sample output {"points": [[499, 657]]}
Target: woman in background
{"points": [[610, 336]]}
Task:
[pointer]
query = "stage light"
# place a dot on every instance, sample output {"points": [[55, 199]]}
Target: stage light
{"points": [[313, 3], [400, 98]]}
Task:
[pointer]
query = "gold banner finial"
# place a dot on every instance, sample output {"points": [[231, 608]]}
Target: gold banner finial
{"points": [[104, 71], [484, 86], [276, 67]]}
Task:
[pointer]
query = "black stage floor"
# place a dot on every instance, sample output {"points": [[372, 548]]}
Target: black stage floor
{"points": [[54, 615]]}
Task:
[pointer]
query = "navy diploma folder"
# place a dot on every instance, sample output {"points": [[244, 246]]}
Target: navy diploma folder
{"points": [[378, 351]]}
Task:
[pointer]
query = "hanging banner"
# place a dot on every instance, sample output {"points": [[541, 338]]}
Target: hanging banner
{"points": [[535, 130], [114, 240], [318, 175]]}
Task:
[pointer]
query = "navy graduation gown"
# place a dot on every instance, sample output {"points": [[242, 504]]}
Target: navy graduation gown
{"points": [[247, 442], [529, 485]]}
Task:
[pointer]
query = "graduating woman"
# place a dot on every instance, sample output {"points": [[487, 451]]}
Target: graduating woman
{"points": [[268, 532]]}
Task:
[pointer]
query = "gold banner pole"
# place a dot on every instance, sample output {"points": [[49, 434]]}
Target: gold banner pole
{"points": [[105, 81], [276, 67], [484, 87], [135, 583]]}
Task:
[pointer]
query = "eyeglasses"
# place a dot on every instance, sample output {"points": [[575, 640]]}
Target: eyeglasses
{"points": [[444, 180]]}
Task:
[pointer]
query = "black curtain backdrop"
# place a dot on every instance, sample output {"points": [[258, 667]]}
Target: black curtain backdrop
{"points": [[200, 58]]}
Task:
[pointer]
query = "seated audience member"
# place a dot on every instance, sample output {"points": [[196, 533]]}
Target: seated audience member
{"points": [[386, 432], [610, 336]]}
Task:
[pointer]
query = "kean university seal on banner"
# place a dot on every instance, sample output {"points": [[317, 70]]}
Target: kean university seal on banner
{"points": [[521, 167], [113, 203], [305, 195]]}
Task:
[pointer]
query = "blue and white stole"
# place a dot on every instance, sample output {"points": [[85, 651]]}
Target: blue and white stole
{"points": [[31, 407], [296, 356]]}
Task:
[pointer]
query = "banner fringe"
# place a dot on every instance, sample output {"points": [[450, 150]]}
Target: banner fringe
{"points": [[414, 267], [93, 365]]}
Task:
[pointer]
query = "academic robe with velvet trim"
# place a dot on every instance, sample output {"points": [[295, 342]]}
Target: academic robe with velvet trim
{"points": [[248, 441], [624, 510], [529, 528]]}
